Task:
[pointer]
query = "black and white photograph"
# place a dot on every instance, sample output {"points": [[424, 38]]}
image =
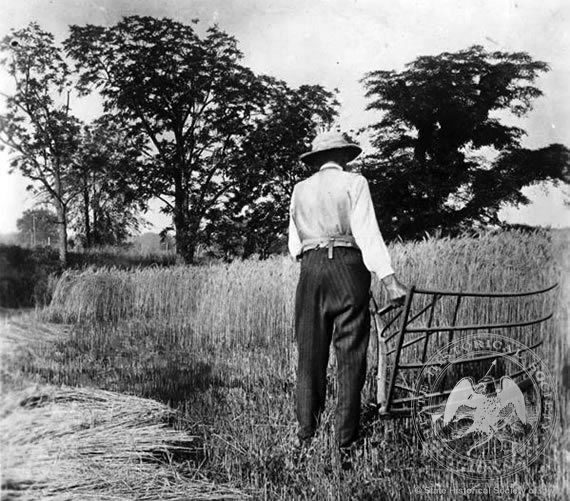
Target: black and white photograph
{"points": [[284, 250]]}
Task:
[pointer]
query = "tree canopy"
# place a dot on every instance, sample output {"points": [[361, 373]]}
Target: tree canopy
{"points": [[37, 124], [108, 171], [186, 121], [428, 170], [254, 217], [190, 96]]}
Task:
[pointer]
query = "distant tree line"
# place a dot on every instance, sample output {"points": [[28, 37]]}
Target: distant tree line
{"points": [[37, 228], [186, 122]]}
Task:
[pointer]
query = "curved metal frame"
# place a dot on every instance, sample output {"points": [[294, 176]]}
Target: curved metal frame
{"points": [[385, 395]]}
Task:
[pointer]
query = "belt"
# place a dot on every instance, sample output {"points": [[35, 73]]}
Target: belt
{"points": [[329, 243]]}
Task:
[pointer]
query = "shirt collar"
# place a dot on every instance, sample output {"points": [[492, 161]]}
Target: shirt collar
{"points": [[331, 165]]}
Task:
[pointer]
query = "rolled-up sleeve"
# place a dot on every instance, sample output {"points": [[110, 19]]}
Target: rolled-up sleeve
{"points": [[366, 231], [295, 246]]}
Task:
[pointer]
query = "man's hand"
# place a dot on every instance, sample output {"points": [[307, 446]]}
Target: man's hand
{"points": [[395, 289]]}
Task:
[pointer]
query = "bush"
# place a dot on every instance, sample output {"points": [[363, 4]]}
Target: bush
{"points": [[25, 275], [28, 276], [119, 257]]}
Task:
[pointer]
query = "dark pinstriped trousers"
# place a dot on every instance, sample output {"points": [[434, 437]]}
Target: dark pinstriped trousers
{"points": [[331, 304]]}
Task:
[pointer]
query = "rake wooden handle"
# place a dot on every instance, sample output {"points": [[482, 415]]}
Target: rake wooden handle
{"points": [[385, 309], [382, 366]]}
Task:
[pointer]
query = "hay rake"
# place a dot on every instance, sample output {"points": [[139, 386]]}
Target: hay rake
{"points": [[400, 333]]}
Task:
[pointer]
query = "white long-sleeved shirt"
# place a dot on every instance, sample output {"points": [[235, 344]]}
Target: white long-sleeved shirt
{"points": [[331, 203]]}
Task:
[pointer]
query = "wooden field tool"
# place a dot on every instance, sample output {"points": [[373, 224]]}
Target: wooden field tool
{"points": [[396, 334]]}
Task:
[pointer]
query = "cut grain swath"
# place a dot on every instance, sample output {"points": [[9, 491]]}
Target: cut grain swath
{"points": [[84, 443]]}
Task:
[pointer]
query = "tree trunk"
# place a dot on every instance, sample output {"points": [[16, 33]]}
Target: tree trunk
{"points": [[186, 240], [62, 231], [249, 245], [86, 212], [61, 211], [185, 225]]}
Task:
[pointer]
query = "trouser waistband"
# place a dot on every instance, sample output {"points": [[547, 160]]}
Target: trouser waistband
{"points": [[329, 243]]}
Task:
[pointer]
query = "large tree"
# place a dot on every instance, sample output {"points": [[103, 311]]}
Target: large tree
{"points": [[189, 94], [444, 158], [254, 217], [109, 168], [37, 127]]}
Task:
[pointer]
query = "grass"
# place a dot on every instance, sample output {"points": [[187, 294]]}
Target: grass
{"points": [[108, 446], [216, 343]]}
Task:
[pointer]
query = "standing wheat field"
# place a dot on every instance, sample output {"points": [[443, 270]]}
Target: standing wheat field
{"points": [[215, 345]]}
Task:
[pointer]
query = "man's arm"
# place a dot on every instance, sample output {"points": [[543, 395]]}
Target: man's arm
{"points": [[294, 244], [371, 243]]}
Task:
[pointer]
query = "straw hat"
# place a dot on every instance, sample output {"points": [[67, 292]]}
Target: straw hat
{"points": [[327, 141]]}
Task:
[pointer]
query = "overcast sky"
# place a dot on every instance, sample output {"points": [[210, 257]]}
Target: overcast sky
{"points": [[334, 43]]}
